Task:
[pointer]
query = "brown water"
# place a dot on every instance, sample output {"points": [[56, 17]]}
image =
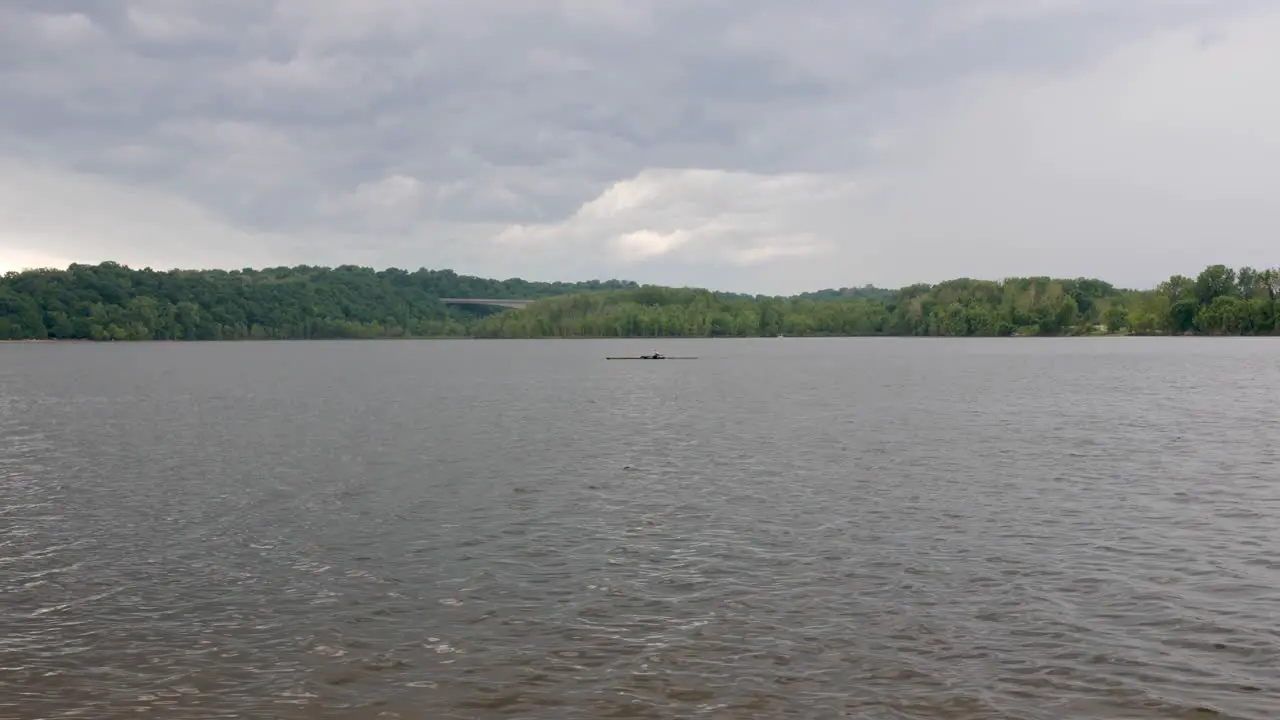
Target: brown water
{"points": [[782, 529]]}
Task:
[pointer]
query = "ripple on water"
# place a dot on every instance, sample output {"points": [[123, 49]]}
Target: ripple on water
{"points": [[809, 530]]}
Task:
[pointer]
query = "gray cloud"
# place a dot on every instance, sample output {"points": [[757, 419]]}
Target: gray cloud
{"points": [[410, 133]]}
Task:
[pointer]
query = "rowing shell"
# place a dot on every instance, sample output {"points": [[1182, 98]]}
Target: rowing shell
{"points": [[644, 357]]}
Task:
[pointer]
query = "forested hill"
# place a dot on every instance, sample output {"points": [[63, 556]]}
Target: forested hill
{"points": [[1219, 301], [112, 302], [869, 292]]}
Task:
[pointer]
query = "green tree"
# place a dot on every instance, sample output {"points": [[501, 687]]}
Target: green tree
{"points": [[1215, 281], [112, 302]]}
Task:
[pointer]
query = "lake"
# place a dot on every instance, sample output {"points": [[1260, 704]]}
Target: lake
{"points": [[783, 528]]}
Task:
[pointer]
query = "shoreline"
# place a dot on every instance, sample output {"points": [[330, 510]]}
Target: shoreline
{"points": [[648, 338]]}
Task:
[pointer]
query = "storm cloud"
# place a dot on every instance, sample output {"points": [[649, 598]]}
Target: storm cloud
{"points": [[755, 145]]}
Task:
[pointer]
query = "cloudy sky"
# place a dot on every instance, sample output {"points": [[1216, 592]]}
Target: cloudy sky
{"points": [[752, 145]]}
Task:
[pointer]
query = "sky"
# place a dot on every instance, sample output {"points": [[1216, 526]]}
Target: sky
{"points": [[771, 146]]}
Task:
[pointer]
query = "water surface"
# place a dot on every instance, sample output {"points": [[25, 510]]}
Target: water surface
{"points": [[874, 528]]}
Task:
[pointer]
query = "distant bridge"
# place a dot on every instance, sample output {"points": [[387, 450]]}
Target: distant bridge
{"points": [[486, 301]]}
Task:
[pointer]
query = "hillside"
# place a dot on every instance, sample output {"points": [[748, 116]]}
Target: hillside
{"points": [[1220, 301], [113, 302]]}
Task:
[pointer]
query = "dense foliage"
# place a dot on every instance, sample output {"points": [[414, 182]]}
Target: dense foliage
{"points": [[869, 292], [112, 302], [1220, 301]]}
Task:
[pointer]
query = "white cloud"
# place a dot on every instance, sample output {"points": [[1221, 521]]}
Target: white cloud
{"points": [[52, 217], [155, 25], [64, 29], [1160, 158], [752, 145], [390, 191], [711, 218], [50, 214], [1157, 159], [16, 258]]}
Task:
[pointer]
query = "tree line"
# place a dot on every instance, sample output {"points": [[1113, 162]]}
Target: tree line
{"points": [[113, 302], [110, 301], [1219, 301]]}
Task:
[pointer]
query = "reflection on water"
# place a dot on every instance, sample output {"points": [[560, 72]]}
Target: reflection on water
{"points": [[807, 529]]}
